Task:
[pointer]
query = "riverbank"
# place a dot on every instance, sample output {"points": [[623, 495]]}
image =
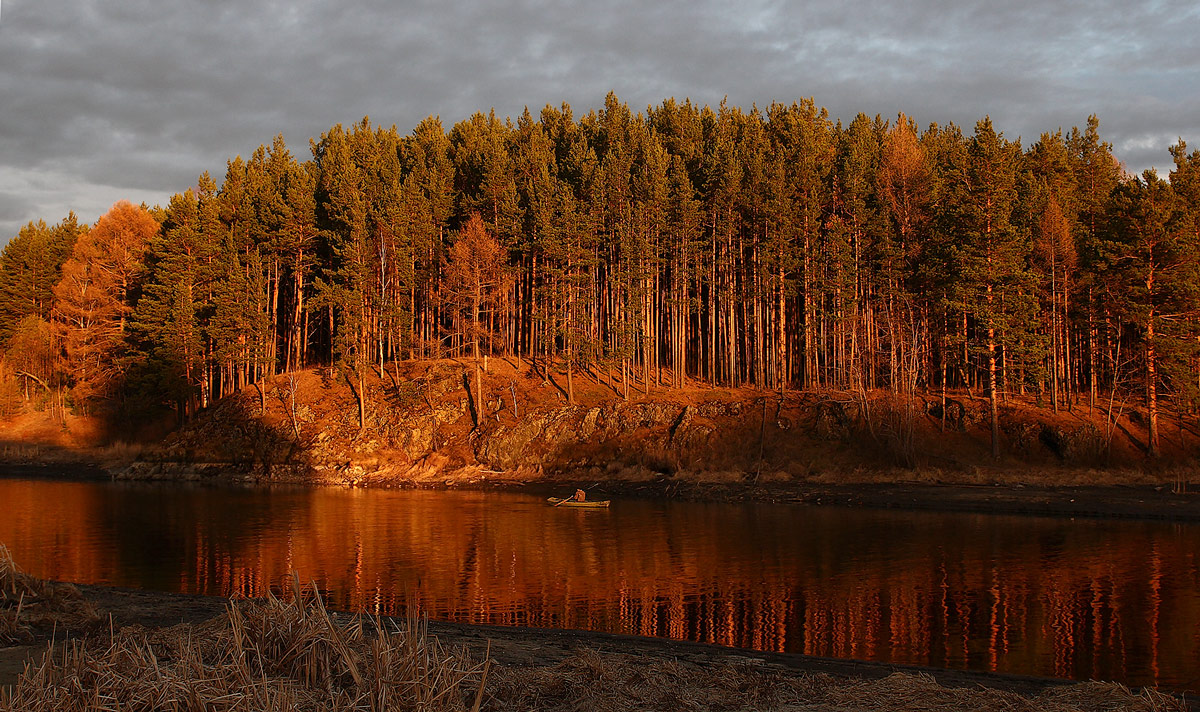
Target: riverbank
{"points": [[422, 430], [1133, 502], [1146, 502], [526, 669]]}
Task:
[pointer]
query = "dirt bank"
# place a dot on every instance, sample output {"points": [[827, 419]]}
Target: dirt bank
{"points": [[422, 429]]}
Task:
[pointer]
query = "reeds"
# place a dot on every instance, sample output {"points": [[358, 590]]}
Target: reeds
{"points": [[610, 682], [27, 601], [261, 656], [12, 629]]}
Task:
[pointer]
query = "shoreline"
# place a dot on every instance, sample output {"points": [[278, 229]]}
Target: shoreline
{"points": [[546, 646], [1137, 501], [525, 648], [811, 447]]}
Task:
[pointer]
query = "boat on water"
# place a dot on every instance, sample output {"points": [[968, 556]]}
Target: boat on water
{"points": [[586, 504]]}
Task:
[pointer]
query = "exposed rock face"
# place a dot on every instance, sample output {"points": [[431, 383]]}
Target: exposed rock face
{"points": [[574, 435], [422, 427], [660, 437], [507, 447]]}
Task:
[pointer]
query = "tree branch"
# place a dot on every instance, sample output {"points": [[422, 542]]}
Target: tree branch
{"points": [[27, 374]]}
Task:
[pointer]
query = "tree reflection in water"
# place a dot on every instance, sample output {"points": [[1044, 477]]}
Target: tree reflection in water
{"points": [[1069, 598]]}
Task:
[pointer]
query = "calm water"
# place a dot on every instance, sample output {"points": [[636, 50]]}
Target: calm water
{"points": [[1067, 598]]}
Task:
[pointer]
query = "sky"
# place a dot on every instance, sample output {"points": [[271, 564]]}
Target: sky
{"points": [[103, 100]]}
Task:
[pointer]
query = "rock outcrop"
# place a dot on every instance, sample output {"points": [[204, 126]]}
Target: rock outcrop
{"points": [[422, 427]]}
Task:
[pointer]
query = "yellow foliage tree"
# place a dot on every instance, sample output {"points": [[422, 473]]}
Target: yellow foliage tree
{"points": [[477, 281], [92, 299]]}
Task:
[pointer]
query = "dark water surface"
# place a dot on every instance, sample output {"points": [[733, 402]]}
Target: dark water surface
{"points": [[1067, 598]]}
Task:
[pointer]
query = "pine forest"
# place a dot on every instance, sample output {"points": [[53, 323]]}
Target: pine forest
{"points": [[686, 246]]}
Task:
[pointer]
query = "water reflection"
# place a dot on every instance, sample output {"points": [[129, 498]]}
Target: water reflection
{"points": [[1082, 599]]}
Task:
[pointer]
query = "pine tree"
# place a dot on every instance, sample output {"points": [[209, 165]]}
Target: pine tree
{"points": [[936, 258], [430, 198], [650, 186], [993, 279], [855, 256], [483, 174], [538, 188], [342, 289], [1151, 263], [170, 320], [1185, 181], [1096, 173], [617, 313], [684, 215], [297, 246], [803, 137], [30, 266]]}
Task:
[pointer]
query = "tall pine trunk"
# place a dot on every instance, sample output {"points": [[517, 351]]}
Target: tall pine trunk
{"points": [[1151, 385]]}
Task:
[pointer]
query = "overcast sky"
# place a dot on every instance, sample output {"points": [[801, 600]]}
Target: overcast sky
{"points": [[102, 100]]}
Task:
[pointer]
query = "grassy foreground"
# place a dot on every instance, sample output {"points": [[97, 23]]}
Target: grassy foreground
{"points": [[275, 655]]}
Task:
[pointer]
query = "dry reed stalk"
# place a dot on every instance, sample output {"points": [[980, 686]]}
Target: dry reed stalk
{"points": [[12, 630], [618, 683], [12, 581], [1105, 696], [26, 601], [262, 656]]}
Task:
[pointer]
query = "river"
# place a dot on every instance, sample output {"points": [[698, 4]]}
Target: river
{"points": [[1075, 598]]}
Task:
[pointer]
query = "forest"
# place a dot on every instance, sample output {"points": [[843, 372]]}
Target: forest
{"points": [[685, 246]]}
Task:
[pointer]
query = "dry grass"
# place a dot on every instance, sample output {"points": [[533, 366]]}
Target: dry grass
{"points": [[921, 692], [27, 602], [262, 656], [190, 668], [607, 682], [12, 629], [121, 453]]}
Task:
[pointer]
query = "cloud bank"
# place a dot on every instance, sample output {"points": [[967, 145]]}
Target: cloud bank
{"points": [[103, 100]]}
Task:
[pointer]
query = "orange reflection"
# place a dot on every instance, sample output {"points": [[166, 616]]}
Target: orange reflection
{"points": [[1075, 599]]}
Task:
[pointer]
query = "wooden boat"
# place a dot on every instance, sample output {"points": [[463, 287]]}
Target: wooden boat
{"points": [[587, 504]]}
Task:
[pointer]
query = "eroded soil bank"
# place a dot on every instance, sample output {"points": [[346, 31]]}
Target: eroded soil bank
{"points": [[424, 427]]}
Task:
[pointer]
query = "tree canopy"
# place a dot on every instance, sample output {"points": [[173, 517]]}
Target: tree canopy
{"points": [[771, 248]]}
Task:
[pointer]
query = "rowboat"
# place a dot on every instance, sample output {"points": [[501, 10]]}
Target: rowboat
{"points": [[587, 504]]}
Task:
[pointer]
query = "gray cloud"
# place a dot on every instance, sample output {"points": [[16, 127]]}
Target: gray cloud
{"points": [[108, 99], [12, 207]]}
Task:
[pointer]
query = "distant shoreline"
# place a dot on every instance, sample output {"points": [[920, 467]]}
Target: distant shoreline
{"points": [[1140, 502]]}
